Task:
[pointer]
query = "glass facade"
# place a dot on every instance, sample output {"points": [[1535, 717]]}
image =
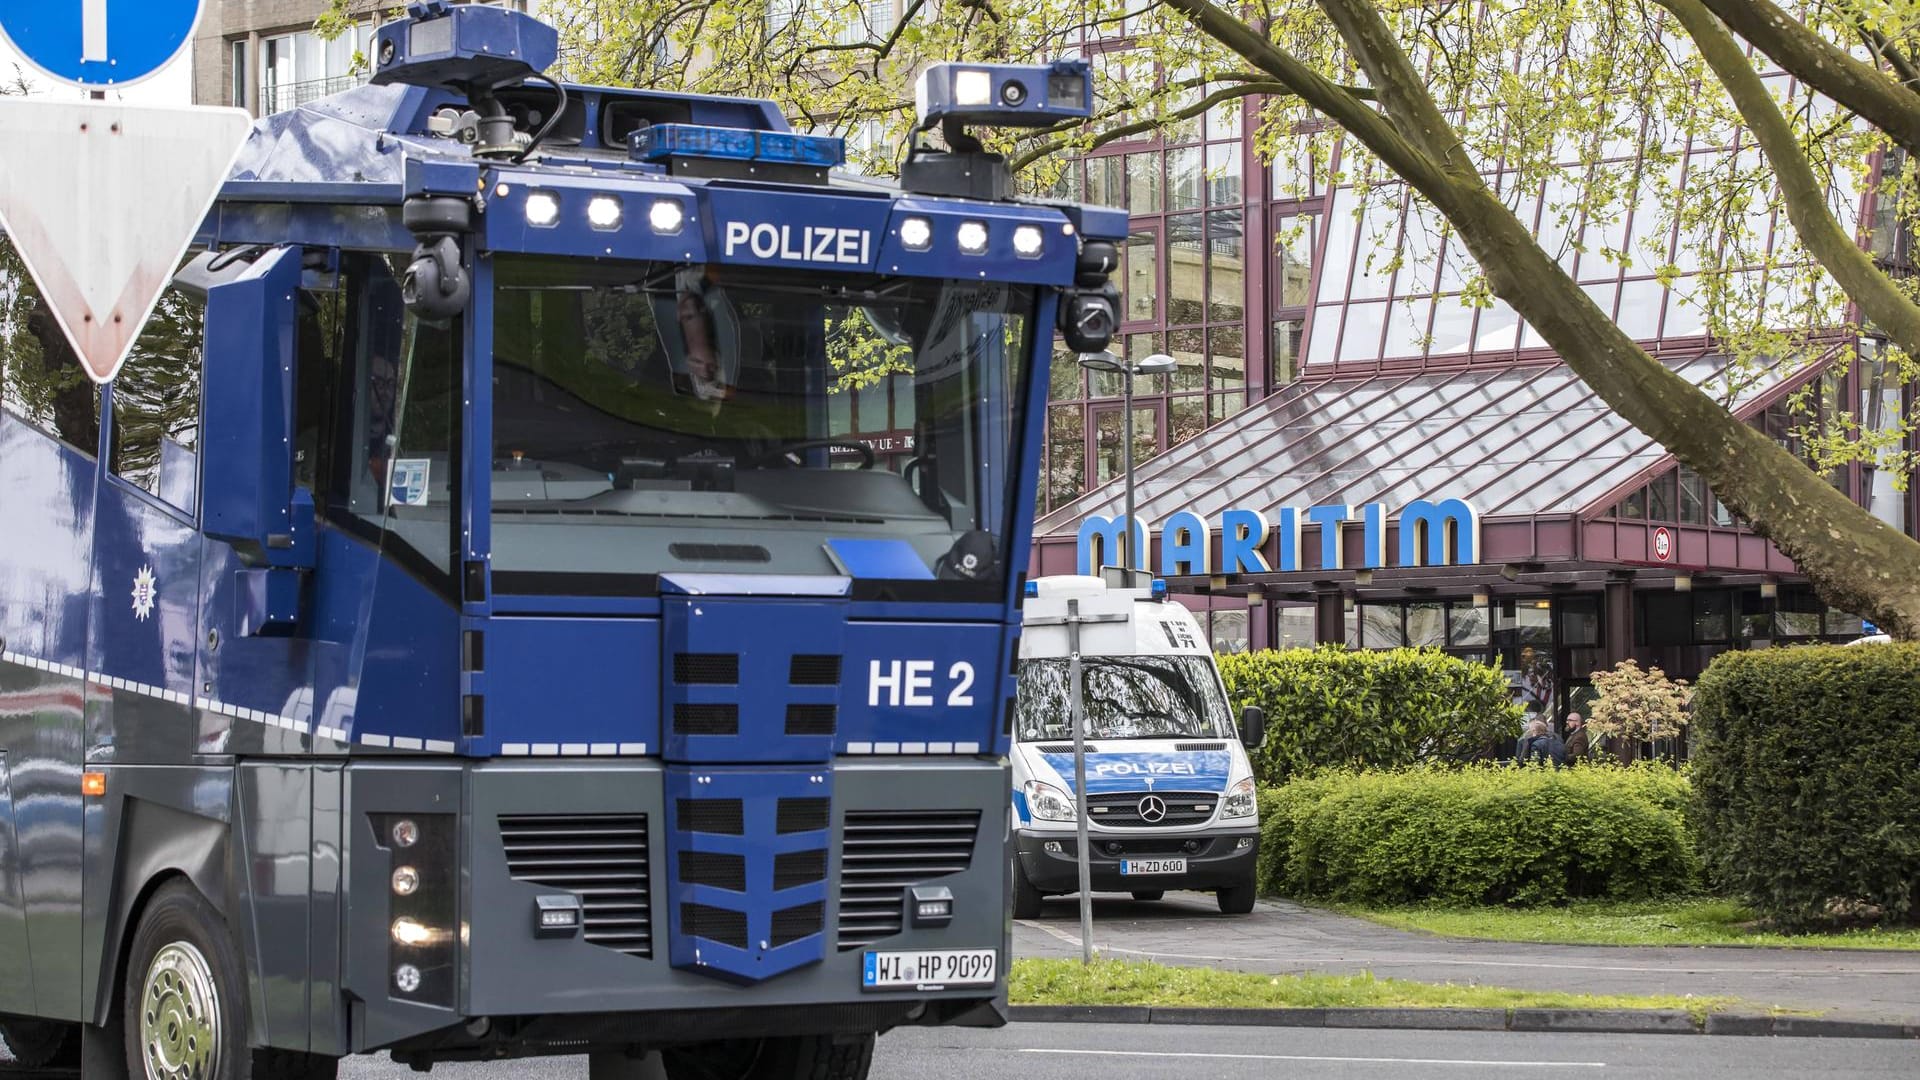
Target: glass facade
{"points": [[1343, 268]]}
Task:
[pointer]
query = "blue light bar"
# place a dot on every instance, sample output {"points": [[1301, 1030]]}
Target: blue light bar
{"points": [[1159, 588], [658, 142]]}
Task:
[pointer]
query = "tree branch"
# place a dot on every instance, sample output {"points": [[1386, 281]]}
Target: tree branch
{"points": [[1053, 146], [1325, 95], [1806, 197], [1888, 51], [1887, 105]]}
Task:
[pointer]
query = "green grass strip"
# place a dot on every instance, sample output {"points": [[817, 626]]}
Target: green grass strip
{"points": [[1669, 922], [1114, 982]]}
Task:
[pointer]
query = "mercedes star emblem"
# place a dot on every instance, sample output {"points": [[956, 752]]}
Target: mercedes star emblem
{"points": [[1152, 809]]}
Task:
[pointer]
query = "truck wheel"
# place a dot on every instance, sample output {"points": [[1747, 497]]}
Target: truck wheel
{"points": [[185, 1001], [42, 1044], [1026, 896], [797, 1057], [1149, 894], [1237, 900]]}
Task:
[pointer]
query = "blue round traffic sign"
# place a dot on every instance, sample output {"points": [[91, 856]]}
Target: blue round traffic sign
{"points": [[99, 43]]}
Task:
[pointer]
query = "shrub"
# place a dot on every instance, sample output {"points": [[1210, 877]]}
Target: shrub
{"points": [[1479, 835], [1640, 705], [1335, 707], [1807, 780]]}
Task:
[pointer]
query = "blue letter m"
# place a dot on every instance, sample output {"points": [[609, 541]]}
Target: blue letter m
{"points": [[1434, 522]]}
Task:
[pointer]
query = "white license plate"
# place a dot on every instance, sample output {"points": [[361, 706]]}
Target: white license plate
{"points": [[936, 968], [1153, 866]]}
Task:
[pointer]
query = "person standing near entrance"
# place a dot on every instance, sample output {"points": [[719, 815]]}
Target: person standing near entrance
{"points": [[1579, 747]]}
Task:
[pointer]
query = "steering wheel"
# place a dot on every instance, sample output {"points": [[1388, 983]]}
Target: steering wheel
{"points": [[867, 458]]}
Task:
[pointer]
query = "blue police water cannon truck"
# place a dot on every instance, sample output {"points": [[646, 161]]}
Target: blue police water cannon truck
{"points": [[579, 616]]}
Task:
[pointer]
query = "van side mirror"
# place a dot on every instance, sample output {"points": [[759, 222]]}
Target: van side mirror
{"points": [[249, 499], [1253, 727]]}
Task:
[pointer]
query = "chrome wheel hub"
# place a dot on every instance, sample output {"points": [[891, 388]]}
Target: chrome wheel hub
{"points": [[180, 1016]]}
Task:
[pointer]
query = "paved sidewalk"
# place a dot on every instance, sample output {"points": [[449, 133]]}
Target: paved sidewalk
{"points": [[1280, 937]]}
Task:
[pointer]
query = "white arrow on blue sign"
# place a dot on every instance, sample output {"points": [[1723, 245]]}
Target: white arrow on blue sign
{"points": [[99, 43]]}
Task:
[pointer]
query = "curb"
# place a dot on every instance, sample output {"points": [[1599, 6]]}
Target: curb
{"points": [[1585, 1021]]}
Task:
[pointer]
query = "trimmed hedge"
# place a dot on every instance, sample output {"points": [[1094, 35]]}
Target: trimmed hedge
{"points": [[1479, 835], [1807, 780], [1352, 708]]}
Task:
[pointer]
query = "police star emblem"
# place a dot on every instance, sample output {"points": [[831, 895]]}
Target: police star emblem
{"points": [[144, 593]]}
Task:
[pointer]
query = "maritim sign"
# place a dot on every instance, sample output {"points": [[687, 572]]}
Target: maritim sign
{"points": [[1442, 533]]}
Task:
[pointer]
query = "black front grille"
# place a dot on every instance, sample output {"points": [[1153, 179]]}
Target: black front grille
{"points": [[814, 669], [792, 924], [884, 853], [802, 815], [1122, 810], [812, 719], [724, 816], [1188, 747], [708, 718], [1153, 845], [715, 924], [715, 868], [791, 868], [1062, 748], [600, 858], [706, 669]]}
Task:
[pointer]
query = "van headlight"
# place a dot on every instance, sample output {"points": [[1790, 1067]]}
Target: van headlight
{"points": [[1239, 802], [1048, 803]]}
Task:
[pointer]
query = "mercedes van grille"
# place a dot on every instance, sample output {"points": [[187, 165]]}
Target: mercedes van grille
{"points": [[1133, 810]]}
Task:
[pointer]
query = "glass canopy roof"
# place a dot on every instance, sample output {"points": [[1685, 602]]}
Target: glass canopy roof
{"points": [[1513, 440]]}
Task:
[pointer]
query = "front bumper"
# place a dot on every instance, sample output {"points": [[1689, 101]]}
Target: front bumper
{"points": [[515, 984], [1224, 858]]}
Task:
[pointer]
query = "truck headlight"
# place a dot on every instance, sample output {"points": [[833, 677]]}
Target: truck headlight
{"points": [[1048, 803], [1240, 801]]}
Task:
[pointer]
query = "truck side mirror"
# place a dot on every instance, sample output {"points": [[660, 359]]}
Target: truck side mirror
{"points": [[249, 499], [1253, 727]]}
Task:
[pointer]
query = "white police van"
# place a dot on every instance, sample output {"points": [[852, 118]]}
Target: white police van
{"points": [[1170, 792]]}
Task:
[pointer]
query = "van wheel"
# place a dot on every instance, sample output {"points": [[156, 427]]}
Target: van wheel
{"points": [[184, 1017], [1150, 894], [42, 1044], [1237, 900], [797, 1057], [1026, 895]]}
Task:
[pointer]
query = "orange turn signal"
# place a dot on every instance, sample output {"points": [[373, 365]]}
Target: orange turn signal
{"points": [[93, 784]]}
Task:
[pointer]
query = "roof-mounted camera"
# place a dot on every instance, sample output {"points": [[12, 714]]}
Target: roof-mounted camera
{"points": [[954, 96], [473, 50]]}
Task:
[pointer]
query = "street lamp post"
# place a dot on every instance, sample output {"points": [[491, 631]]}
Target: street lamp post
{"points": [[1157, 364]]}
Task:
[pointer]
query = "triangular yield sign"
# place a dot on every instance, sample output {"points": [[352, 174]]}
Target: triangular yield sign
{"points": [[102, 201]]}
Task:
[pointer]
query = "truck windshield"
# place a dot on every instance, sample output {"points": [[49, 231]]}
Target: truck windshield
{"points": [[653, 417], [1127, 697]]}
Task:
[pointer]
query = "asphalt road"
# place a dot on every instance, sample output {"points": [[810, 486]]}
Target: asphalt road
{"points": [[1280, 937], [1140, 1052]]}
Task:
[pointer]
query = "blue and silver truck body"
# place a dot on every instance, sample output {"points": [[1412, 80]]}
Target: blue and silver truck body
{"points": [[529, 654], [1170, 794]]}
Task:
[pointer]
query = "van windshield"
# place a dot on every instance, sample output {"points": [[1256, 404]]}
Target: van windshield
{"points": [[1127, 697]]}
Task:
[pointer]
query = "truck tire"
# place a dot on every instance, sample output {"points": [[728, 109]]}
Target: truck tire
{"points": [[1237, 899], [1026, 896], [185, 1000], [1149, 894], [42, 1044], [796, 1057]]}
